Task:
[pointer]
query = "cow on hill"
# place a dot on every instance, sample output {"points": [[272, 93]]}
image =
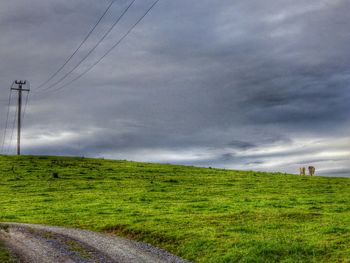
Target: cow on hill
{"points": [[312, 170]]}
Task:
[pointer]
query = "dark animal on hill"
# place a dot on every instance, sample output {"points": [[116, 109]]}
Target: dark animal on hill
{"points": [[312, 170]]}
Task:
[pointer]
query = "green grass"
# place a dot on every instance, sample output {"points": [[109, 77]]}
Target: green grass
{"points": [[5, 256], [203, 215], [78, 248]]}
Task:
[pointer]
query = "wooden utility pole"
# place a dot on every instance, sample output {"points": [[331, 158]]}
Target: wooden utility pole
{"points": [[20, 89]]}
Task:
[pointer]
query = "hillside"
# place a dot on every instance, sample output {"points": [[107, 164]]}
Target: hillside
{"points": [[203, 215]]}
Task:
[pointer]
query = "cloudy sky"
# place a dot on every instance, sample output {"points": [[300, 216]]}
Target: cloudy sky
{"points": [[253, 85]]}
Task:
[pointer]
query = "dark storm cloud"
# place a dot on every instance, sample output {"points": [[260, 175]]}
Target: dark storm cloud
{"points": [[244, 84]]}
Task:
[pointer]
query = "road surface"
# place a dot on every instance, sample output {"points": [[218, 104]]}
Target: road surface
{"points": [[39, 243]]}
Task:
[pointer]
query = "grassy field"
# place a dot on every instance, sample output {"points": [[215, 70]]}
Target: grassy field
{"points": [[203, 215]]}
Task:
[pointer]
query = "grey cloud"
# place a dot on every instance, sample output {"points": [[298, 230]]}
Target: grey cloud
{"points": [[214, 79], [241, 144]]}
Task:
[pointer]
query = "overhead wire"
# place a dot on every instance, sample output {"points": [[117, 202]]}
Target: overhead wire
{"points": [[109, 50], [25, 106], [7, 119], [67, 61], [26, 102], [13, 130], [3, 144], [92, 49], [78, 48]]}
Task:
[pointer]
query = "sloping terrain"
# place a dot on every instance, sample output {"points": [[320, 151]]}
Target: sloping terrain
{"points": [[202, 215]]}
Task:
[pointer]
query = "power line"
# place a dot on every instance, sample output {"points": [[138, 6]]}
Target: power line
{"points": [[23, 115], [7, 119], [110, 50], [13, 130], [76, 51], [18, 115], [83, 73], [25, 106], [93, 49], [26, 101]]}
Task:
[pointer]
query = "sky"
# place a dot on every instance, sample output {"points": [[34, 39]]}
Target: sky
{"points": [[248, 85]]}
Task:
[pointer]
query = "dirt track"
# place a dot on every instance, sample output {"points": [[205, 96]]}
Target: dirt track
{"points": [[40, 243]]}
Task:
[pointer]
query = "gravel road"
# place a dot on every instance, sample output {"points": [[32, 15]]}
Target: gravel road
{"points": [[47, 244]]}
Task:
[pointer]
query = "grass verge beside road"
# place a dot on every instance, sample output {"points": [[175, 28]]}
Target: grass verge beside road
{"points": [[5, 256]]}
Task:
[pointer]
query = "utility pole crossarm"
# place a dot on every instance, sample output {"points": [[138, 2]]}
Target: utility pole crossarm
{"points": [[21, 89]]}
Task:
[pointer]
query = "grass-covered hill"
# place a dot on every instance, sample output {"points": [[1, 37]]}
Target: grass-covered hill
{"points": [[203, 215]]}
